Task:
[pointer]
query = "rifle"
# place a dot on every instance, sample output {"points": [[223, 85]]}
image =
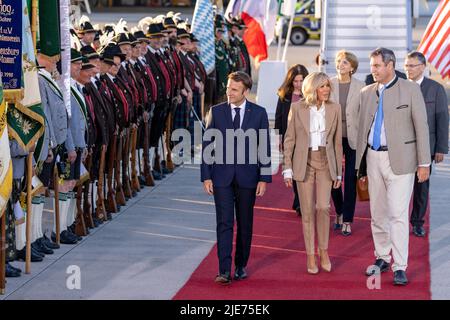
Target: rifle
{"points": [[80, 225], [169, 163], [86, 204], [120, 197], [134, 176], [111, 205], [100, 211], [147, 172], [125, 165]]}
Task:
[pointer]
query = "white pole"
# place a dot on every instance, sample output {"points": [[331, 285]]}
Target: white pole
{"points": [[64, 81], [288, 36], [280, 37]]}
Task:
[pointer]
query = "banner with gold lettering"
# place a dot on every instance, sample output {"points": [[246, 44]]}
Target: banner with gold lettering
{"points": [[25, 115], [11, 45]]}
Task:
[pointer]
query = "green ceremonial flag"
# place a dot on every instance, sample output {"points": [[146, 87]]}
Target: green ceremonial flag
{"points": [[26, 117], [49, 28]]}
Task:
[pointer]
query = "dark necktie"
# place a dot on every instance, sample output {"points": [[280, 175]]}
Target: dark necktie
{"points": [[237, 118]]}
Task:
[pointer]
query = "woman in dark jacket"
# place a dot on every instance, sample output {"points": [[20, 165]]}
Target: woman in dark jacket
{"points": [[289, 92]]}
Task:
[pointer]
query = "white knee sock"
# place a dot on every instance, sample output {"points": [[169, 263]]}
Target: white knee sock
{"points": [[40, 234], [63, 209], [72, 208], [20, 236], [35, 221]]}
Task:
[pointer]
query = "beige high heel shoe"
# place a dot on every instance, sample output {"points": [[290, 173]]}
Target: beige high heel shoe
{"points": [[311, 264], [325, 262]]}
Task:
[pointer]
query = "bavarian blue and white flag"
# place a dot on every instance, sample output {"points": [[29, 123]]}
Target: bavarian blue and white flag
{"points": [[203, 29]]}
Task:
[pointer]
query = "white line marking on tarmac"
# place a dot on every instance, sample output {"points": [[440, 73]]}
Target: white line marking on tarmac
{"points": [[175, 237], [179, 210]]}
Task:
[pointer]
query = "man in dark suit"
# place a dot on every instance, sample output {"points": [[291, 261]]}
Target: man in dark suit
{"points": [[437, 114], [235, 170]]}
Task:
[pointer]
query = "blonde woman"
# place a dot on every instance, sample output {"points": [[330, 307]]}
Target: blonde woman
{"points": [[346, 91], [313, 157]]}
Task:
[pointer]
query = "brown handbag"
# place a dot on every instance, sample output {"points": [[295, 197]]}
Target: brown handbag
{"points": [[362, 189]]}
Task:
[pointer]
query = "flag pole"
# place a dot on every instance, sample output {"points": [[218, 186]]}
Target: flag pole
{"points": [[34, 7], [2, 254], [28, 220]]}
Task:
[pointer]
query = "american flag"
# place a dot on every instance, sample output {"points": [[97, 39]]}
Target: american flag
{"points": [[435, 44], [203, 29]]}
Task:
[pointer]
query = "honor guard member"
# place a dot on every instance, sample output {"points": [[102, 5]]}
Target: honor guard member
{"points": [[156, 64], [222, 65], [60, 149], [78, 125], [86, 32], [112, 58]]}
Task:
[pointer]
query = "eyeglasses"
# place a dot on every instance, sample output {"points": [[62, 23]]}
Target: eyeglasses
{"points": [[412, 65]]}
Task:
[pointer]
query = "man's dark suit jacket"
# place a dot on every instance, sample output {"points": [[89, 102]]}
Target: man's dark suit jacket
{"points": [[247, 175], [437, 114]]}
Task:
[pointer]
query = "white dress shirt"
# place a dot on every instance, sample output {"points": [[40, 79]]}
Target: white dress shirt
{"points": [[241, 112], [317, 127], [383, 141]]}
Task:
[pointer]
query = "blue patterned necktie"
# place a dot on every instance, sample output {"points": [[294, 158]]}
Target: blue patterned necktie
{"points": [[378, 122]]}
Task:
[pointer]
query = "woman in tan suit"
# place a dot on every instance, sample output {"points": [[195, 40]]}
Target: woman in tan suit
{"points": [[313, 158], [346, 91]]}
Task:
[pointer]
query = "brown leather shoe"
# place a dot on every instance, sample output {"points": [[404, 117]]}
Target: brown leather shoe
{"points": [[223, 278]]}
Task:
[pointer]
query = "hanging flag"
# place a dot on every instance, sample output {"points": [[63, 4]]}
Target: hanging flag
{"points": [[260, 17], [49, 28], [203, 29], [25, 116], [435, 45], [5, 157]]}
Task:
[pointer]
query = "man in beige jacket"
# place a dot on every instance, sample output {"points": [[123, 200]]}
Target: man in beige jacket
{"points": [[393, 144]]}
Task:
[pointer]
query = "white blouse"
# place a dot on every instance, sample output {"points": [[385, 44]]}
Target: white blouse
{"points": [[317, 137]]}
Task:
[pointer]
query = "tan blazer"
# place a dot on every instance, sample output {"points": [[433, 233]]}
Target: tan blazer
{"points": [[296, 140], [405, 122], [352, 107]]}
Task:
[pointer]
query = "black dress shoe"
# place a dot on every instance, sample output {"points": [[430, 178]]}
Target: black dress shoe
{"points": [[240, 273], [223, 278], [10, 272], [400, 278], [73, 235], [49, 243], [378, 267], [64, 238], [156, 175], [35, 256], [41, 248], [141, 181], [419, 231], [14, 268]]}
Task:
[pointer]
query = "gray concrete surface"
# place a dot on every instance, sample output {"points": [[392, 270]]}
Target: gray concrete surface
{"points": [[148, 250], [440, 230]]}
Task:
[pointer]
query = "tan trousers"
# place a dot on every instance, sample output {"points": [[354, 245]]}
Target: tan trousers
{"points": [[316, 209], [390, 195]]}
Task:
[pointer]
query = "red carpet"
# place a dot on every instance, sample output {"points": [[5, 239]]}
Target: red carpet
{"points": [[277, 265]]}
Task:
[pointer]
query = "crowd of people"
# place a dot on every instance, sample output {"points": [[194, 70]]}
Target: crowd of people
{"points": [[389, 130], [130, 88]]}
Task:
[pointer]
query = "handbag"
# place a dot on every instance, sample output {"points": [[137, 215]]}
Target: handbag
{"points": [[362, 189]]}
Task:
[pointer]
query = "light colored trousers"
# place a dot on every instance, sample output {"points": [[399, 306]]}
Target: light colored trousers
{"points": [[390, 195], [316, 209]]}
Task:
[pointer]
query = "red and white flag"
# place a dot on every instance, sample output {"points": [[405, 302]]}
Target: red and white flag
{"points": [[260, 17], [435, 44]]}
